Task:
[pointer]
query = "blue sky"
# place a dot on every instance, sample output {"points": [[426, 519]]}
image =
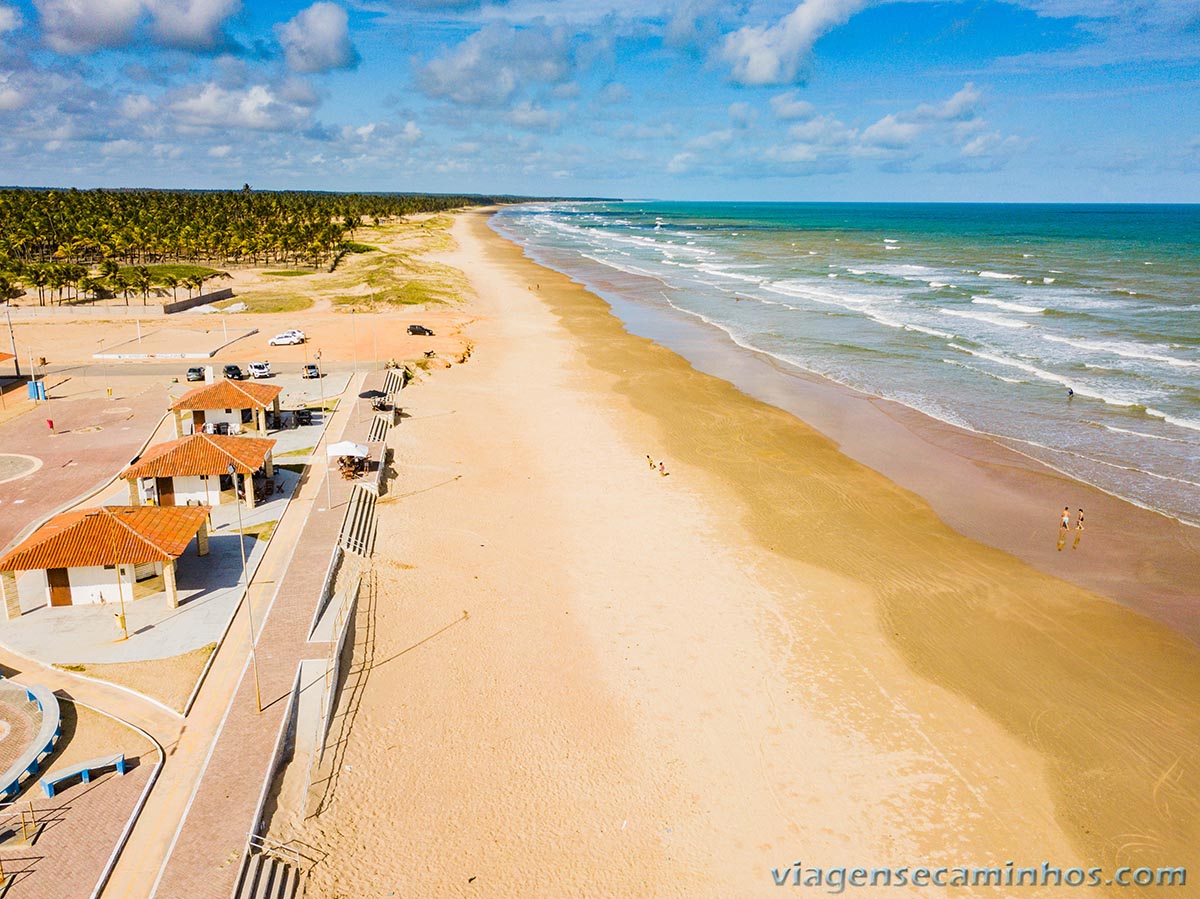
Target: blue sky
{"points": [[988, 100]]}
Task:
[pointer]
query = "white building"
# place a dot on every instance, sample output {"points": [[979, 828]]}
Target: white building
{"points": [[194, 470]]}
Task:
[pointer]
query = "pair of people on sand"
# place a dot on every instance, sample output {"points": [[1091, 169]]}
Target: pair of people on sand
{"points": [[661, 466], [1065, 523]]}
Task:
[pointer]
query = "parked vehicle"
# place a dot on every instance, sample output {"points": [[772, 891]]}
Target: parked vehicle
{"points": [[297, 332], [286, 339], [304, 416], [310, 371], [233, 372], [260, 369], [420, 330], [195, 374]]}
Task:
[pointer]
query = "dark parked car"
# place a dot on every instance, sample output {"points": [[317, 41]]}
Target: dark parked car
{"points": [[195, 374], [311, 371], [420, 329], [304, 416], [233, 372]]}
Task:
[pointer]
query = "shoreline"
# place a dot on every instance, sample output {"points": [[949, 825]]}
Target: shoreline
{"points": [[1107, 698], [580, 672], [1139, 557]]}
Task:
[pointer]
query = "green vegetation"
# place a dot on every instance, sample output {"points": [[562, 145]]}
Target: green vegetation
{"points": [[296, 467], [286, 303], [73, 246], [307, 451], [176, 270], [290, 273], [261, 532]]}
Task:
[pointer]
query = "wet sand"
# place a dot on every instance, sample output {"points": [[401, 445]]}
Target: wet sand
{"points": [[668, 686]]}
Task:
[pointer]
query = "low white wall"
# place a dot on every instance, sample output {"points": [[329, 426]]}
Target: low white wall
{"points": [[220, 416], [198, 490], [94, 583]]}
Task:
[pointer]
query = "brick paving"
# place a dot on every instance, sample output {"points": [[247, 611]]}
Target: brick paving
{"points": [[80, 827], [205, 861], [94, 440]]}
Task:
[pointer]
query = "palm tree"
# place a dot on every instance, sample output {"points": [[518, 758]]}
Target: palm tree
{"points": [[171, 283]]}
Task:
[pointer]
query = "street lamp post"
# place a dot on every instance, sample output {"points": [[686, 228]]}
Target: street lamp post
{"points": [[324, 429], [12, 340], [245, 579]]}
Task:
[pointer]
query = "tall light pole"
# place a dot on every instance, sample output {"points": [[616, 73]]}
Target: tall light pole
{"points": [[354, 336], [245, 579], [120, 592], [324, 429]]}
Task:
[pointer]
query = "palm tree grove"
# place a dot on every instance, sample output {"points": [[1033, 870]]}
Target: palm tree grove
{"points": [[71, 246]]}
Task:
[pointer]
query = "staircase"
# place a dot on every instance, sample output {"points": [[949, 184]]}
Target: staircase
{"points": [[379, 429], [358, 527], [268, 876]]}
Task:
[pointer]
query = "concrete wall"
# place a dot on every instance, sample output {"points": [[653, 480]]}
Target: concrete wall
{"points": [[189, 487], [189, 302], [219, 416], [108, 309], [93, 583]]}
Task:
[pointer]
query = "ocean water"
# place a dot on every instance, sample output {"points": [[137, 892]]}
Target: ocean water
{"points": [[982, 316]]}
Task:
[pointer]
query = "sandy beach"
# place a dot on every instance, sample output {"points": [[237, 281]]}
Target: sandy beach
{"points": [[578, 676]]}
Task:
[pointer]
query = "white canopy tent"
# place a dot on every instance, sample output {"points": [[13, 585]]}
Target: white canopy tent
{"points": [[347, 448]]}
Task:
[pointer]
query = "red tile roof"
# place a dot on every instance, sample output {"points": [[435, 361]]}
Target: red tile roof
{"points": [[228, 395], [110, 535], [4, 357], [198, 454]]}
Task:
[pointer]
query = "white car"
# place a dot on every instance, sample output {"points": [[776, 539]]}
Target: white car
{"points": [[286, 338], [260, 369], [297, 332]]}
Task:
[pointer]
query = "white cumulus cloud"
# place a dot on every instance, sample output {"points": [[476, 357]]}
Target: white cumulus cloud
{"points": [[76, 26], [191, 24], [774, 54], [318, 39], [257, 107], [10, 19], [493, 64]]}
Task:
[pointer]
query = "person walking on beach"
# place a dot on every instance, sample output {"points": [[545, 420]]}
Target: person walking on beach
{"points": [[1078, 530], [1064, 526], [651, 461], [662, 469]]}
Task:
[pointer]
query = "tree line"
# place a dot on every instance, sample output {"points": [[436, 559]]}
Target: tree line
{"points": [[68, 244]]}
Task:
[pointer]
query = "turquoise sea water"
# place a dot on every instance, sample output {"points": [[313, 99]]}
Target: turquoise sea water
{"points": [[979, 315]]}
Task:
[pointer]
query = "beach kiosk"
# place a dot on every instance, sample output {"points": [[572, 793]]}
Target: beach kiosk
{"points": [[194, 470], [226, 407], [99, 555]]}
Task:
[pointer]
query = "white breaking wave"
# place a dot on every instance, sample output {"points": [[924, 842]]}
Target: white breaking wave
{"points": [[1012, 307], [998, 320], [998, 276], [1125, 350]]}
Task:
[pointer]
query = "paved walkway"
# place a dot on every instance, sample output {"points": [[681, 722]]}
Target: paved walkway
{"points": [[93, 441], [206, 857]]}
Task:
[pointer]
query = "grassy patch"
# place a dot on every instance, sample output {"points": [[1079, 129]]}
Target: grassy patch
{"points": [[296, 467], [355, 247], [259, 531], [290, 273], [267, 304], [170, 681], [307, 451], [178, 270]]}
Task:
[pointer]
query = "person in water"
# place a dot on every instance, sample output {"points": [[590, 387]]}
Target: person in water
{"points": [[1070, 393]]}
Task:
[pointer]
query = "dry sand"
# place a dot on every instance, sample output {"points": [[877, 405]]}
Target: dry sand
{"points": [[668, 686]]}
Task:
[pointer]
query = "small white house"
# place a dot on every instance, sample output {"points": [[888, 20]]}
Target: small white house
{"points": [[226, 405], [99, 555], [194, 470]]}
